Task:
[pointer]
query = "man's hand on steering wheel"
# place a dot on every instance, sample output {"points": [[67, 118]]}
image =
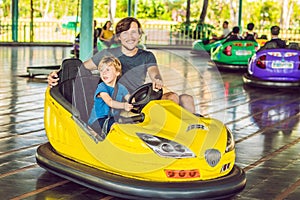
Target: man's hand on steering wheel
{"points": [[157, 84]]}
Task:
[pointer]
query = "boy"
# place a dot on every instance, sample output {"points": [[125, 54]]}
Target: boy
{"points": [[108, 96], [250, 34]]}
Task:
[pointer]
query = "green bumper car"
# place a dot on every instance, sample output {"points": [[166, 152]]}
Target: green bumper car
{"points": [[203, 46], [233, 55]]}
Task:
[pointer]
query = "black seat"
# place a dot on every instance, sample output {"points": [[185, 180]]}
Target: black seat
{"points": [[294, 45], [67, 74], [83, 95], [77, 85]]}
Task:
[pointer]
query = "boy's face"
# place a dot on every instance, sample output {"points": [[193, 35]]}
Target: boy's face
{"points": [[109, 74], [130, 38]]}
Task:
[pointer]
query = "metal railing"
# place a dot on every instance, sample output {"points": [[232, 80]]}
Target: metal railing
{"points": [[156, 34]]}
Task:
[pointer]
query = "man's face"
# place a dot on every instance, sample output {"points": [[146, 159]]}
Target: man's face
{"points": [[130, 38]]}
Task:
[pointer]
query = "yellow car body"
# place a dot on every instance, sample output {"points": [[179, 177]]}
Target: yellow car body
{"points": [[171, 153], [124, 153]]}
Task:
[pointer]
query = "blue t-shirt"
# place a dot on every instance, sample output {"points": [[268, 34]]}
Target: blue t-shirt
{"points": [[100, 108]]}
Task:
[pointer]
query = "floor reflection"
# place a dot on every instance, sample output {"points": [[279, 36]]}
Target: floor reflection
{"points": [[276, 109]]}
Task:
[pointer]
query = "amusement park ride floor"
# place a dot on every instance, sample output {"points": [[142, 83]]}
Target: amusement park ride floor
{"points": [[265, 124]]}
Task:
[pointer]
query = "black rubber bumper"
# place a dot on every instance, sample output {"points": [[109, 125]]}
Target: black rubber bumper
{"points": [[123, 187], [226, 66], [253, 81]]}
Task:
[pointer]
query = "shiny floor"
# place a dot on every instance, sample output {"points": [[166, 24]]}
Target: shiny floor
{"points": [[265, 124]]}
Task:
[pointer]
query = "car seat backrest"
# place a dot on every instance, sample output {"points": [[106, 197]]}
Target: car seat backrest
{"points": [[294, 45], [77, 85], [271, 45], [83, 95], [250, 37], [67, 74]]}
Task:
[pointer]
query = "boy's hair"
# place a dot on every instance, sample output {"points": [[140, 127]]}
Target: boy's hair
{"points": [[250, 26], [275, 30], [111, 61], [124, 25]]}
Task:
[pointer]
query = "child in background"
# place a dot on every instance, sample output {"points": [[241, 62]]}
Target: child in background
{"points": [[250, 34]]}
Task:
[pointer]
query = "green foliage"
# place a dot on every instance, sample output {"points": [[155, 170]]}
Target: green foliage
{"points": [[101, 9], [263, 13]]}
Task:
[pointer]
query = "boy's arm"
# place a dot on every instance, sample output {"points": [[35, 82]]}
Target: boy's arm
{"points": [[114, 104], [126, 97]]}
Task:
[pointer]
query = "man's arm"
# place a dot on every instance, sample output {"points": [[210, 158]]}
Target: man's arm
{"points": [[90, 65], [155, 76]]}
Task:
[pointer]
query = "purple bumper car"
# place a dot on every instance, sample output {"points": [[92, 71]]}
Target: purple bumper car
{"points": [[274, 68]]}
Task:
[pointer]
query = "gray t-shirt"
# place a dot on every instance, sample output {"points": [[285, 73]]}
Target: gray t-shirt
{"points": [[134, 68]]}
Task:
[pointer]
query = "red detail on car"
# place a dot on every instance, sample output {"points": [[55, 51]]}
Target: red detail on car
{"points": [[227, 50], [180, 174], [261, 62]]}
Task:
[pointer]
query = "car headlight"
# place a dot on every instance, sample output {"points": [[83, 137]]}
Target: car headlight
{"points": [[164, 147], [230, 141]]}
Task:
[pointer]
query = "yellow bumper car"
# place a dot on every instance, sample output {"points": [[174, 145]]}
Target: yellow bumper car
{"points": [[160, 152]]}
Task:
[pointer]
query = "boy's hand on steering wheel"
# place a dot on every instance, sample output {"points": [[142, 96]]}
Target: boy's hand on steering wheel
{"points": [[127, 106]]}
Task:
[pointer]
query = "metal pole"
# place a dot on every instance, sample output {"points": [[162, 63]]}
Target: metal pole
{"points": [[86, 30], [136, 7], [15, 17], [240, 13], [31, 21], [129, 8]]}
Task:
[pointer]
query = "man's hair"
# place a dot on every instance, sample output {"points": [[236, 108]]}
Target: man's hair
{"points": [[275, 30], [124, 25], [111, 61], [226, 22], [236, 29], [250, 26]]}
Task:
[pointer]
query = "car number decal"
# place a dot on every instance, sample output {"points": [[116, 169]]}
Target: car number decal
{"points": [[282, 65], [243, 52], [196, 126]]}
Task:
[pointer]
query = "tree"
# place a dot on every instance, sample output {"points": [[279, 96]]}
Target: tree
{"points": [[204, 11]]}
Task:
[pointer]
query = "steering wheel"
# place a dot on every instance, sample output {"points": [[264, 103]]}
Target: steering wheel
{"points": [[143, 95]]}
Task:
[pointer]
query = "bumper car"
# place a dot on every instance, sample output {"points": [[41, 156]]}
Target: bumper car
{"points": [[261, 41], [203, 46], [159, 151], [274, 68], [233, 55]]}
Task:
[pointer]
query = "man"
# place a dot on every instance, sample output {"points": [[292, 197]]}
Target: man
{"points": [[275, 41], [137, 62], [225, 33]]}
